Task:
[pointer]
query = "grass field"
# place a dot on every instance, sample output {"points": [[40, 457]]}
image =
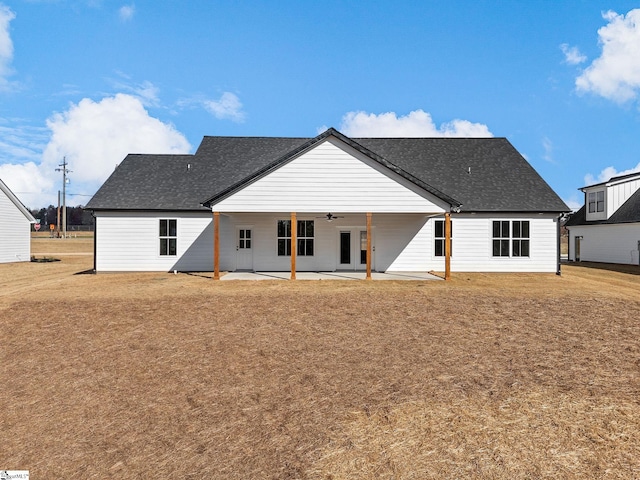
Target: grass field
{"points": [[177, 376]]}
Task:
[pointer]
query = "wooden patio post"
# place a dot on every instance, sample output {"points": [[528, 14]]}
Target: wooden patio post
{"points": [[369, 214], [294, 244], [447, 246], [216, 245]]}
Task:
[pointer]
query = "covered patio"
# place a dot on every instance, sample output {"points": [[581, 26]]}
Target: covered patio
{"points": [[402, 276]]}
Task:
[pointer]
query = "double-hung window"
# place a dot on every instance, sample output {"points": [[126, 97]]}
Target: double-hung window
{"points": [[520, 240], [511, 238], [440, 239], [168, 237], [284, 238], [596, 201], [501, 234], [304, 236]]}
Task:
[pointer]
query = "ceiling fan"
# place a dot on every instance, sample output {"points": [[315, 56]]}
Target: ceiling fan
{"points": [[330, 217]]}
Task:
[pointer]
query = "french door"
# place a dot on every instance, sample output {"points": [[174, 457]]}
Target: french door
{"points": [[352, 249]]}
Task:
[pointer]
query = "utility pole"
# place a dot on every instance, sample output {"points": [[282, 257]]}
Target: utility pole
{"points": [[58, 217], [64, 171]]}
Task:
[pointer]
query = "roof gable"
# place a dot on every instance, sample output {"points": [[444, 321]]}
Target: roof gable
{"points": [[10, 195], [331, 176], [314, 142]]}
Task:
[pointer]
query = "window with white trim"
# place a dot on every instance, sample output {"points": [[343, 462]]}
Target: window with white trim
{"points": [[168, 237], [520, 240], [440, 239], [304, 238], [596, 201], [511, 238], [501, 238]]}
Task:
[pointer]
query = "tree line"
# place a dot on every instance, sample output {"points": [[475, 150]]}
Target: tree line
{"points": [[76, 216]]}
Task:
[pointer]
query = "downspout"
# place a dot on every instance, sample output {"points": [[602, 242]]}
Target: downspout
{"points": [[95, 241], [559, 232]]}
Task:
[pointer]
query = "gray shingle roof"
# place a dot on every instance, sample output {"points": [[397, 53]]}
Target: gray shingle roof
{"points": [[500, 179], [484, 174], [629, 212]]}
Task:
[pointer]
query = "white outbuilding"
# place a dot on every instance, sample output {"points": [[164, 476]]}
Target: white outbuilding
{"points": [[607, 227], [15, 228]]}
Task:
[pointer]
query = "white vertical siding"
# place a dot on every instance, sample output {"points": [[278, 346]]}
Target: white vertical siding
{"points": [[607, 243], [15, 236], [130, 242], [619, 193], [331, 177]]}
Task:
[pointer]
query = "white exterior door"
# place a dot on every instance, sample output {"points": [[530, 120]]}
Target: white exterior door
{"points": [[244, 249], [352, 249]]}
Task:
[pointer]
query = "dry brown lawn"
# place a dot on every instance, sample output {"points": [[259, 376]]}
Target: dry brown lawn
{"points": [[177, 376]]}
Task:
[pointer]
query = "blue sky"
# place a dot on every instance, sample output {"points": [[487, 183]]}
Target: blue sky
{"points": [[92, 80]]}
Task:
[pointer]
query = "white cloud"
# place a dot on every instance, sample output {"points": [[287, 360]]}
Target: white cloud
{"points": [[6, 46], [94, 137], [126, 12], [607, 174], [547, 145], [228, 107], [615, 75], [416, 124], [27, 181], [572, 55]]}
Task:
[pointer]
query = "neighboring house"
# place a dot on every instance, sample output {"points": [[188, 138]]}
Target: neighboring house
{"points": [[15, 228], [607, 228], [385, 200]]}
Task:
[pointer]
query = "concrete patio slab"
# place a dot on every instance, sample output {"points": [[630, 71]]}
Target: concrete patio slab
{"points": [[411, 276]]}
